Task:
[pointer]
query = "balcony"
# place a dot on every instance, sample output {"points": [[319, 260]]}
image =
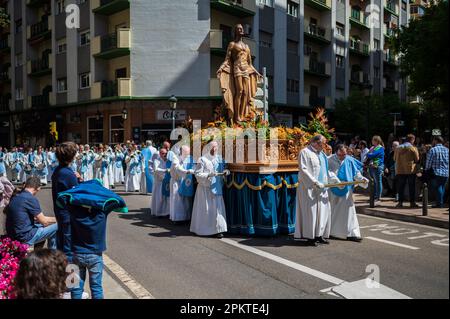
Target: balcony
{"points": [[388, 32], [218, 43], [359, 78], [237, 8], [112, 45], [40, 67], [5, 104], [5, 73], [40, 31], [358, 19], [390, 58], [314, 67], [5, 44], [316, 101], [391, 8], [359, 47], [37, 3], [111, 89], [321, 5], [109, 7], [317, 33], [39, 101], [389, 85]]}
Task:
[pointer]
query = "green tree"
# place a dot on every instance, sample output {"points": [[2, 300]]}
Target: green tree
{"points": [[4, 18]]}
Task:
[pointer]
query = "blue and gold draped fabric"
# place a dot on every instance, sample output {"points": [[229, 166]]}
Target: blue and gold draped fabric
{"points": [[261, 204]]}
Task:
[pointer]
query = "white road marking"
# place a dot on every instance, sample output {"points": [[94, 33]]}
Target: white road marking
{"points": [[349, 290], [391, 243], [137, 289], [393, 221], [291, 264], [426, 235]]}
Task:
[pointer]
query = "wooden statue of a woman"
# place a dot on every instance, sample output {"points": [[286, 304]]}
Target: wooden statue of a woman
{"points": [[238, 79]]}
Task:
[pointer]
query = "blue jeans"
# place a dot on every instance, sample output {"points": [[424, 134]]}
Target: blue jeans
{"points": [[45, 233], [376, 173], [438, 186], [93, 263]]}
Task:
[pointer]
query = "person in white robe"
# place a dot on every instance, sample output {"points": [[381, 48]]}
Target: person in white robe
{"points": [[208, 212], [101, 167], [3, 170], [161, 188], [313, 210], [119, 158], [133, 174], [148, 153], [28, 165], [111, 155], [13, 165], [52, 163], [182, 186], [85, 163], [40, 165], [344, 222]]}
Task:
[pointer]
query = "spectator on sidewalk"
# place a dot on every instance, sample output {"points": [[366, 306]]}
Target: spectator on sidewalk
{"points": [[64, 178], [406, 158], [41, 275], [437, 169], [389, 170], [375, 162], [22, 213], [364, 150]]}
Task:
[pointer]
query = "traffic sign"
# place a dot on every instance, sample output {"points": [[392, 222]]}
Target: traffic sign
{"points": [[436, 132]]}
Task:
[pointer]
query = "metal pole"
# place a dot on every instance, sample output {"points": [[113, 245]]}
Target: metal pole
{"points": [[425, 200], [371, 192], [173, 120], [395, 125]]}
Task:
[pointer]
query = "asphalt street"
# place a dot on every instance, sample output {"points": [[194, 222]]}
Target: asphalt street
{"points": [[408, 260]]}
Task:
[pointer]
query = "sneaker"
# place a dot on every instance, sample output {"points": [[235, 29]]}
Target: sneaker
{"points": [[67, 295]]}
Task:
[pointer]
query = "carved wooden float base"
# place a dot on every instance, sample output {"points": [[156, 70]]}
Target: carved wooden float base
{"points": [[264, 168]]}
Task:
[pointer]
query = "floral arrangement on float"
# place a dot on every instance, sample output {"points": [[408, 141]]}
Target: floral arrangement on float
{"points": [[289, 140], [11, 253]]}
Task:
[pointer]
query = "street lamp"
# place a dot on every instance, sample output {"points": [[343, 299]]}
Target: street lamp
{"points": [[173, 106], [124, 114], [98, 115]]}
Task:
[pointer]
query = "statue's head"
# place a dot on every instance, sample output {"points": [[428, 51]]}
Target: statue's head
{"points": [[238, 30]]}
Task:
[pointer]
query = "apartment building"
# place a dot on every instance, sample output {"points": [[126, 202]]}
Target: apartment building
{"points": [[110, 79], [417, 8]]}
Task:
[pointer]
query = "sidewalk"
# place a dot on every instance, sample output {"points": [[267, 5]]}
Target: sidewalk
{"points": [[437, 217]]}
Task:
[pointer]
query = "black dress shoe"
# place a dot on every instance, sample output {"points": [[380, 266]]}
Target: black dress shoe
{"points": [[220, 235], [321, 240], [414, 205], [399, 205], [355, 239]]}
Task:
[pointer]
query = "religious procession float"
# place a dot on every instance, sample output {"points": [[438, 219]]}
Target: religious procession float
{"points": [[260, 192]]}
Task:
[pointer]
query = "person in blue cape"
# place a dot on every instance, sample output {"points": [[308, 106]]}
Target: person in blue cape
{"points": [[182, 186], [161, 185], [52, 162], [148, 153], [28, 164], [208, 212], [2, 162], [89, 204], [344, 222]]}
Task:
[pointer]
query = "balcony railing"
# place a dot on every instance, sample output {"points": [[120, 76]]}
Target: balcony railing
{"points": [[39, 28], [40, 65], [359, 47], [391, 7], [112, 45], [320, 5], [4, 76], [358, 19], [108, 42], [4, 43], [317, 67], [356, 77], [315, 101], [40, 101], [109, 88], [109, 7], [390, 58], [120, 87], [238, 8], [316, 32]]}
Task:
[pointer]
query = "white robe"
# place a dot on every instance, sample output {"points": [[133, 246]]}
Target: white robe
{"points": [[39, 160], [111, 157], [313, 206], [11, 173], [344, 222], [208, 212], [100, 173], [180, 206], [118, 172], [132, 181], [160, 203]]}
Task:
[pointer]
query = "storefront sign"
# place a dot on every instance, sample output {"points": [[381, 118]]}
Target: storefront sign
{"points": [[166, 115]]}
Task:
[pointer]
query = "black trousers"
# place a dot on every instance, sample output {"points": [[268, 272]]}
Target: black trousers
{"points": [[402, 179]]}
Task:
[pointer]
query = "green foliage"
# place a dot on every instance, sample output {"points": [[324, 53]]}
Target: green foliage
{"points": [[318, 124], [4, 18]]}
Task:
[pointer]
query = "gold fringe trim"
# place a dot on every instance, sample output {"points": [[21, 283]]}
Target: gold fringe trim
{"points": [[234, 184]]}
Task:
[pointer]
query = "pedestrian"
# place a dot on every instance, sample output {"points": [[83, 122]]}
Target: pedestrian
{"points": [[364, 150], [344, 222], [436, 168], [389, 171], [313, 214], [25, 221], [134, 171], [41, 275], [375, 159], [208, 213], [406, 157], [64, 178]]}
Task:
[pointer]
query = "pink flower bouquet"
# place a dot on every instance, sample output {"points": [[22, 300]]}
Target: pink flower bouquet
{"points": [[11, 253]]}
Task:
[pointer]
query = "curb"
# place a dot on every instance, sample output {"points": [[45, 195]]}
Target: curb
{"points": [[423, 220]]}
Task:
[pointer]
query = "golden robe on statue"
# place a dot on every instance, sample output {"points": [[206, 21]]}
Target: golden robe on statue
{"points": [[238, 82]]}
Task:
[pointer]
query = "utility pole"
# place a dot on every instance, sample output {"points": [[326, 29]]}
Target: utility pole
{"points": [[395, 122]]}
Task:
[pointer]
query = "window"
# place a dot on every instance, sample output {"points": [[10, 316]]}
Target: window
{"points": [[61, 85], [95, 130], [116, 134], [18, 26], [19, 94], [376, 44], [292, 86], [414, 10], [376, 72], [265, 39], [340, 50], [61, 46], [403, 5], [19, 59], [340, 61], [340, 29], [60, 6], [292, 8], [292, 47], [85, 80], [85, 38], [268, 3]]}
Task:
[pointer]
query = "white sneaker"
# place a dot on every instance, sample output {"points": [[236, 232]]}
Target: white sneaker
{"points": [[67, 295]]}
